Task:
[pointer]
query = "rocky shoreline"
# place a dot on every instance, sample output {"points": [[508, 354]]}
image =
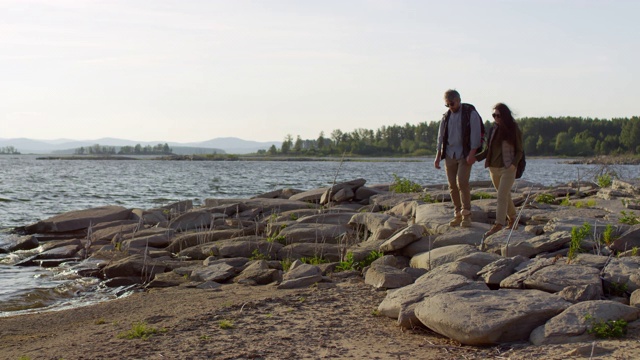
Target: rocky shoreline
{"points": [[550, 281]]}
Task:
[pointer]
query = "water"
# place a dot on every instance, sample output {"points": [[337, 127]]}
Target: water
{"points": [[32, 189]]}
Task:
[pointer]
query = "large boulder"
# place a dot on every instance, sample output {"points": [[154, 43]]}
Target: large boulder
{"points": [[627, 241], [462, 236], [386, 277], [258, 273], [573, 324], [79, 219], [331, 252], [434, 258], [400, 300], [137, 266], [314, 233], [483, 317]]}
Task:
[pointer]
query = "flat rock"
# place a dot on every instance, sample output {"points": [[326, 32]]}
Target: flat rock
{"points": [[483, 317], [79, 219], [440, 256]]}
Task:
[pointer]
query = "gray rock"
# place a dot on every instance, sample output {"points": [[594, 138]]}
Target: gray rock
{"points": [[536, 245], [499, 270], [312, 196], [402, 238], [258, 273], [483, 317], [624, 272], [572, 324], [314, 233], [480, 259], [635, 299], [14, 243], [219, 272], [167, 279], [427, 285], [557, 277], [440, 256], [330, 252], [526, 270], [301, 271], [381, 226], [79, 219], [196, 220], [300, 282], [579, 293], [248, 246], [154, 241], [387, 277], [63, 252], [458, 267], [628, 240], [497, 241], [139, 266], [594, 261], [462, 236], [327, 218]]}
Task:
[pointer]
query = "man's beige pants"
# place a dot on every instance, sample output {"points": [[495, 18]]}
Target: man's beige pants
{"points": [[458, 173]]}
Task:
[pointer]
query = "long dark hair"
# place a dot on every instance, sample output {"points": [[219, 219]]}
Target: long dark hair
{"points": [[508, 127]]}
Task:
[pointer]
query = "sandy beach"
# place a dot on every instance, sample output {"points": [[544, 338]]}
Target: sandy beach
{"points": [[336, 321]]}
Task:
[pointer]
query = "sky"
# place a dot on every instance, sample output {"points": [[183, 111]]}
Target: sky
{"points": [[191, 70]]}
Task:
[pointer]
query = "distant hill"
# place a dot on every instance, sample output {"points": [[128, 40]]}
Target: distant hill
{"points": [[228, 145]]}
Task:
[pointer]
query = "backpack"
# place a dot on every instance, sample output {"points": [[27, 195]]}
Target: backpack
{"points": [[521, 165]]}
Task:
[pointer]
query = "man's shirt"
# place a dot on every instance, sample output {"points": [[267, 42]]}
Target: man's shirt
{"points": [[454, 144]]}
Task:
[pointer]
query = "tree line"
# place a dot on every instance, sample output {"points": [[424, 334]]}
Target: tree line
{"points": [[9, 150], [549, 136], [97, 149]]}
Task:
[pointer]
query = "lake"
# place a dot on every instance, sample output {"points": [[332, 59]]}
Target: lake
{"points": [[32, 189]]}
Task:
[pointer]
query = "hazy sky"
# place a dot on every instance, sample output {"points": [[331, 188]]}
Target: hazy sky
{"points": [[192, 70]]}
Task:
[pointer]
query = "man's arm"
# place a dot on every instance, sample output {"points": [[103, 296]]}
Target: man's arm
{"points": [[436, 162]]}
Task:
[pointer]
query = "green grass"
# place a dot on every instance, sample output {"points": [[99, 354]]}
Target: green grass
{"points": [[607, 329], [629, 218], [258, 255], [577, 235], [350, 264], [481, 195], [225, 324], [545, 199], [316, 260], [604, 180], [140, 330], [607, 235], [403, 185]]}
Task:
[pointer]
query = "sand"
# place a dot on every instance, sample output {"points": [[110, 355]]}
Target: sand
{"points": [[336, 321]]}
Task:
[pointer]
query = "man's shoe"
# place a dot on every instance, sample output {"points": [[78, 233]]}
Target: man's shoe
{"points": [[456, 221], [494, 229], [466, 221]]}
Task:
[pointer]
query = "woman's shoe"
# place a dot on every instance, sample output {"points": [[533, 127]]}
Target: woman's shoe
{"points": [[512, 223], [494, 229]]}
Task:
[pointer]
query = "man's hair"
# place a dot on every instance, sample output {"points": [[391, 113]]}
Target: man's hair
{"points": [[451, 95]]}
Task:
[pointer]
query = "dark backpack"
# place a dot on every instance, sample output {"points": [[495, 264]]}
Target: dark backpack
{"points": [[521, 165]]}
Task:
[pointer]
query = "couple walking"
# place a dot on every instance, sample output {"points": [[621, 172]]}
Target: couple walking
{"points": [[459, 142]]}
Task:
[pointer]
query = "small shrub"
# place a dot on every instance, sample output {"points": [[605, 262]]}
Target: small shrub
{"points": [[428, 198], [565, 201], [605, 180], [617, 289], [316, 260], [100, 321], [286, 264], [634, 251], [293, 216], [481, 195], [225, 324], [545, 199], [607, 235], [346, 264], [375, 312], [139, 330], [278, 238], [371, 257], [607, 329], [257, 255], [577, 235], [403, 185], [629, 218]]}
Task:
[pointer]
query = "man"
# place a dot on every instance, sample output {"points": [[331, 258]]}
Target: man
{"points": [[459, 137]]}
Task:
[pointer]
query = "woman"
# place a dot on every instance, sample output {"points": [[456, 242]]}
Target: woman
{"points": [[503, 154]]}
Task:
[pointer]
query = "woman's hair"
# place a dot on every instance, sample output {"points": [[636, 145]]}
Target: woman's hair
{"points": [[508, 124]]}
